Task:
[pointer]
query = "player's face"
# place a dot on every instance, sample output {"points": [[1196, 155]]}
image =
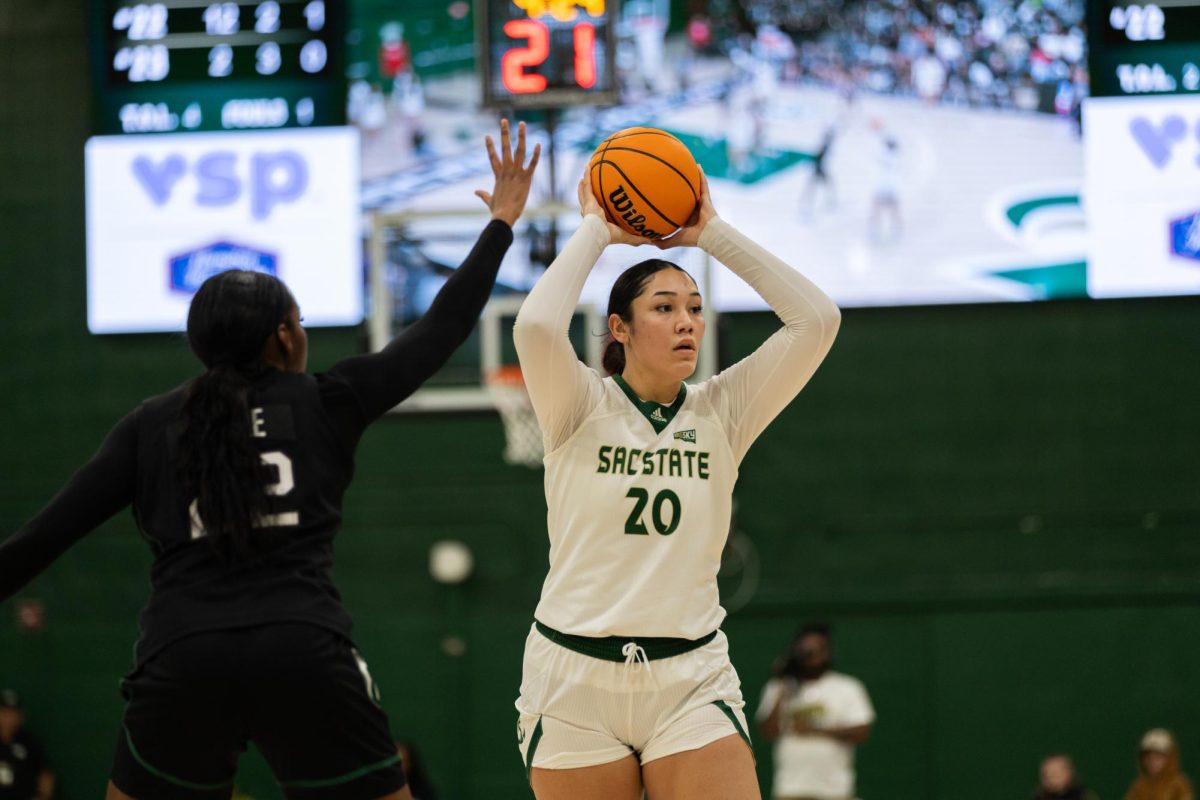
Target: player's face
{"points": [[667, 325]]}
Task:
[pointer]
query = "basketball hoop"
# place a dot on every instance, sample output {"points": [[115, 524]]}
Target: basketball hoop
{"points": [[522, 434]]}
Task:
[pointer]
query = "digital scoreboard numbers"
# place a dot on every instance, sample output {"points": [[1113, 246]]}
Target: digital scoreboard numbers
{"points": [[547, 53], [1144, 48], [201, 65]]}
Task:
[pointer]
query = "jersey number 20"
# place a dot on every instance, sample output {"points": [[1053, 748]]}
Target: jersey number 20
{"points": [[279, 488], [641, 498]]}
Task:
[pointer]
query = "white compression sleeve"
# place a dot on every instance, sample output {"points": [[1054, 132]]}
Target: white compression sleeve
{"points": [[563, 390], [751, 393]]}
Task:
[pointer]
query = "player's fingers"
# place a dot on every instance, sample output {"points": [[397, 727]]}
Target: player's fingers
{"points": [[491, 149], [484, 196], [533, 162], [519, 156], [505, 143]]}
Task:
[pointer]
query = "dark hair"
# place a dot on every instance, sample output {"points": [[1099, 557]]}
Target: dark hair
{"points": [[232, 317], [628, 287], [819, 628]]}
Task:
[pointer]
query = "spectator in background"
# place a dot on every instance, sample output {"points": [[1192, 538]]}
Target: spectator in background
{"points": [[1159, 774], [816, 717], [24, 774], [1057, 780]]}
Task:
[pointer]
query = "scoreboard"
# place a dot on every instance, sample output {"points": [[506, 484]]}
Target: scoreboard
{"points": [[207, 65], [1144, 48], [547, 53]]}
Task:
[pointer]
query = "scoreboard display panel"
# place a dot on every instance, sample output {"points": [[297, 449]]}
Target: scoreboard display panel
{"points": [[201, 65], [547, 53], [1144, 48]]}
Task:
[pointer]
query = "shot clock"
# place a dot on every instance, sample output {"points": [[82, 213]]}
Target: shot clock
{"points": [[164, 66], [547, 53]]}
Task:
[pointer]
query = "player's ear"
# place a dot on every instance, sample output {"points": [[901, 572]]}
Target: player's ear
{"points": [[619, 328], [280, 345]]}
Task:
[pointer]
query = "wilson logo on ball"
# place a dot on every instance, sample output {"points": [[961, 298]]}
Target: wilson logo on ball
{"points": [[622, 203]]}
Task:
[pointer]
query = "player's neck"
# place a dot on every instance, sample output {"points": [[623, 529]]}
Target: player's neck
{"points": [[648, 386]]}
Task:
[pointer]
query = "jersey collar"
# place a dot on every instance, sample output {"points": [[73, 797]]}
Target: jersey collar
{"points": [[658, 415]]}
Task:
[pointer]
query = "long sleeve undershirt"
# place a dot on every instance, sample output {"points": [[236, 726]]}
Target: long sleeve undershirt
{"points": [[747, 395], [377, 381]]}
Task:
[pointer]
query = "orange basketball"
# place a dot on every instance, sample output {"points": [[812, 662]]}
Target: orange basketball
{"points": [[647, 180]]}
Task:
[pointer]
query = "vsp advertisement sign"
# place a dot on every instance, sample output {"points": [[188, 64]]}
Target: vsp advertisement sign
{"points": [[166, 212], [1142, 195]]}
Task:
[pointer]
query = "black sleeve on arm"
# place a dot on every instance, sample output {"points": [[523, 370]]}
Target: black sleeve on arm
{"points": [[101, 488], [381, 380]]}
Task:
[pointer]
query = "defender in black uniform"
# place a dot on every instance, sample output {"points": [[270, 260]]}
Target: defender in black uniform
{"points": [[236, 480]]}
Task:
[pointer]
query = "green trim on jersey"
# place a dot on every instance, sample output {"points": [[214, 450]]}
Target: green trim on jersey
{"points": [[322, 783], [534, 738], [658, 415], [168, 777], [721, 704], [608, 648]]}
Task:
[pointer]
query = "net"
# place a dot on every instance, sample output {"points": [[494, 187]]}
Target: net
{"points": [[522, 435]]}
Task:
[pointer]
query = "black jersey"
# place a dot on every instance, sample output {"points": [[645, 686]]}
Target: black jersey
{"points": [[306, 429]]}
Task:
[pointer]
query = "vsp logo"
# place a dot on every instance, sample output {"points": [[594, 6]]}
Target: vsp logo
{"points": [[189, 270], [272, 178], [1185, 237], [1159, 142], [622, 203]]}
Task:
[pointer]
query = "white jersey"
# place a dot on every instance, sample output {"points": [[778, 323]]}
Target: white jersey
{"points": [[638, 494]]}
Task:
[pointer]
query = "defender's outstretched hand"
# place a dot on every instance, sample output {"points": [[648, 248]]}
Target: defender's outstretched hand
{"points": [[689, 234], [590, 206], [508, 196]]}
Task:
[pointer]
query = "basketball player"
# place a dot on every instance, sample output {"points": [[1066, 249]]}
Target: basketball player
{"points": [[627, 684], [236, 480]]}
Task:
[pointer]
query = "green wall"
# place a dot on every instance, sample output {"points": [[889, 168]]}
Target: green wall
{"points": [[995, 505]]}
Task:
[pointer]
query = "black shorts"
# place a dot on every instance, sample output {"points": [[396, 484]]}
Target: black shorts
{"points": [[301, 693]]}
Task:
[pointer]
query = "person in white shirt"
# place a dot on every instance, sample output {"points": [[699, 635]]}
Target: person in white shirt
{"points": [[627, 684], [816, 717]]}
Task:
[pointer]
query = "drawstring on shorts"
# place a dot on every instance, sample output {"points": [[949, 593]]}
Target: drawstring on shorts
{"points": [[635, 656]]}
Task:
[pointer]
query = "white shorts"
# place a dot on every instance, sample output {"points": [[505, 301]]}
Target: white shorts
{"points": [[580, 711]]}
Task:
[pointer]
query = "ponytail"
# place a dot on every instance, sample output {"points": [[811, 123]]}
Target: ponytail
{"points": [[231, 318], [221, 469], [613, 359]]}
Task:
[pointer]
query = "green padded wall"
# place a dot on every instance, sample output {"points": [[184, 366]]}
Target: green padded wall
{"points": [[996, 506]]}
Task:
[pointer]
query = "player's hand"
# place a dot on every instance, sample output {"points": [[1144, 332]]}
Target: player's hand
{"points": [[689, 234], [513, 178], [589, 206]]}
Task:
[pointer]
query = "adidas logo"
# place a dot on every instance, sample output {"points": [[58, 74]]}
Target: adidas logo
{"points": [[687, 436], [657, 415]]}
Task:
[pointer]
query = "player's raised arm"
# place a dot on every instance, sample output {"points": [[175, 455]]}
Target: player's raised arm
{"points": [[101, 488], [558, 383], [752, 392], [381, 380]]}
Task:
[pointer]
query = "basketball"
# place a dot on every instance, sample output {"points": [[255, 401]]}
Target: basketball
{"points": [[647, 180]]}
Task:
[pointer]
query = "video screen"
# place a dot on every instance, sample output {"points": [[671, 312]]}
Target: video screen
{"points": [[897, 152]]}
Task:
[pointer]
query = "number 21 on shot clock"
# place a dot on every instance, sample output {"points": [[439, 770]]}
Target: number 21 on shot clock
{"points": [[547, 53]]}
